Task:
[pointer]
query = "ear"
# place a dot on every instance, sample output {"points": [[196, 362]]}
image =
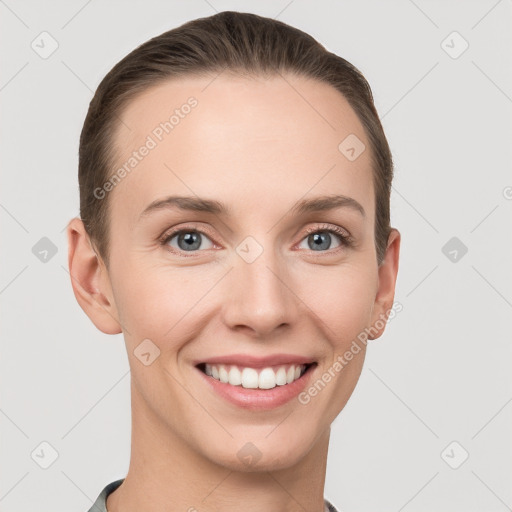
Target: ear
{"points": [[386, 288], [90, 280]]}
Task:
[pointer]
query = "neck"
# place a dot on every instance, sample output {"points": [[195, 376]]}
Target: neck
{"points": [[166, 473]]}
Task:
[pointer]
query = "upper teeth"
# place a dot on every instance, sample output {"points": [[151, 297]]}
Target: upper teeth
{"points": [[267, 378]]}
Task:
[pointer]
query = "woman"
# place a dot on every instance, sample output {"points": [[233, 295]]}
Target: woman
{"points": [[234, 202]]}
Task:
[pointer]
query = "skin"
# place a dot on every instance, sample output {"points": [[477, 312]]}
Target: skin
{"points": [[258, 146]]}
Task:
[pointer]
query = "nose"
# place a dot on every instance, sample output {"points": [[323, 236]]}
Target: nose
{"points": [[261, 297]]}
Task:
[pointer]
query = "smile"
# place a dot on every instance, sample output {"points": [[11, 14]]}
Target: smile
{"points": [[253, 378], [256, 383]]}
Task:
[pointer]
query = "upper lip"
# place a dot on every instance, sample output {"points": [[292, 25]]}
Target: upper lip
{"points": [[257, 362]]}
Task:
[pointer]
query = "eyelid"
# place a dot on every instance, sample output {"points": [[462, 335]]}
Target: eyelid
{"points": [[170, 232], [329, 227]]}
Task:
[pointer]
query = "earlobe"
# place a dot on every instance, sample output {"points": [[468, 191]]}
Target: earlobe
{"points": [[90, 281], [388, 271]]}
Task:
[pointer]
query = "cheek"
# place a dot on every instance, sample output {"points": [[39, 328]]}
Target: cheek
{"points": [[342, 298], [160, 303]]}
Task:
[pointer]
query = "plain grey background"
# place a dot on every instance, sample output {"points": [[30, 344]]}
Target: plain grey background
{"points": [[428, 426]]}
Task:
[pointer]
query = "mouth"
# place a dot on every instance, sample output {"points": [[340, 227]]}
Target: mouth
{"points": [[260, 377], [255, 383]]}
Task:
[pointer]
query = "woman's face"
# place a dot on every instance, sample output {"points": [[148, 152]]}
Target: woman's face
{"points": [[255, 273]]}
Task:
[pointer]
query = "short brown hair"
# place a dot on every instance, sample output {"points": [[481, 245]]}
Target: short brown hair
{"points": [[243, 43]]}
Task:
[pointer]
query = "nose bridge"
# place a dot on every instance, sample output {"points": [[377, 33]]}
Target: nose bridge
{"points": [[260, 298]]}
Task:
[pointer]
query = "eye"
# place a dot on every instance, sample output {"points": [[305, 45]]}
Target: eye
{"points": [[320, 238], [189, 240]]}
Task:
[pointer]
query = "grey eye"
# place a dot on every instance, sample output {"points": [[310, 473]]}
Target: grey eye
{"points": [[319, 241], [189, 240]]}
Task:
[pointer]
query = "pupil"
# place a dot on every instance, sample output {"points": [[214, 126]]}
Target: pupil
{"points": [[319, 243], [190, 239]]}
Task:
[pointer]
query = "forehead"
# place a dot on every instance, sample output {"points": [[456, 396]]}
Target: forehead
{"points": [[249, 139]]}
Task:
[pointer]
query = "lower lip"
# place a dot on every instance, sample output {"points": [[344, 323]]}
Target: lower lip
{"points": [[259, 399]]}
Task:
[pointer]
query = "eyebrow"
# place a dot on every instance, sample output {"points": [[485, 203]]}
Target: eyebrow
{"points": [[191, 203]]}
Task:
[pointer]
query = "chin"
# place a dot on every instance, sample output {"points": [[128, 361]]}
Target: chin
{"points": [[268, 452]]}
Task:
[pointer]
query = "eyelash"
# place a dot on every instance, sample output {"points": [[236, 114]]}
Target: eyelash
{"points": [[347, 241]]}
